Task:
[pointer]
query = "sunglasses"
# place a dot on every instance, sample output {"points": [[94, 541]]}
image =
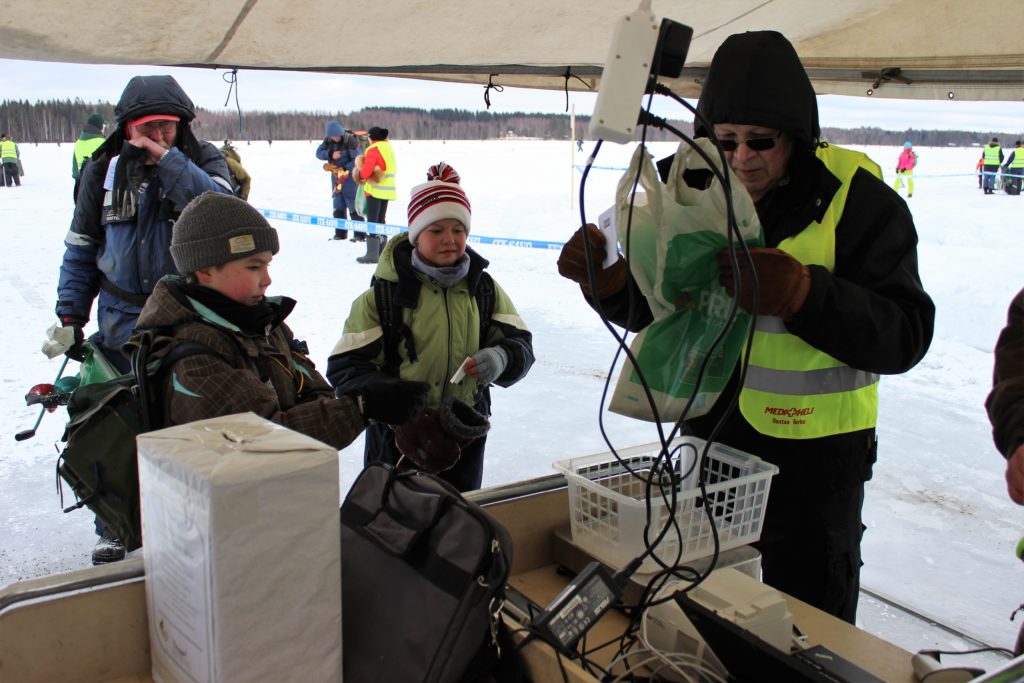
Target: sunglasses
{"points": [[165, 126], [756, 144]]}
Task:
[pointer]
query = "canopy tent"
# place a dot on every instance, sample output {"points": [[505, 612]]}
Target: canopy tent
{"points": [[929, 49]]}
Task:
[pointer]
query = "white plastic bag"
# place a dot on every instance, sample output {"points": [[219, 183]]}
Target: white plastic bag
{"points": [[673, 236]]}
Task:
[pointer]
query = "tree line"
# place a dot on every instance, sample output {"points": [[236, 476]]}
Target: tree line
{"points": [[62, 121]]}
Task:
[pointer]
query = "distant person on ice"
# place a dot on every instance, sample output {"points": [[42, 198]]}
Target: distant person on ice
{"points": [[9, 159], [376, 170], [905, 168], [1013, 169], [435, 288], [118, 247], [88, 142], [991, 160], [840, 304], [340, 149]]}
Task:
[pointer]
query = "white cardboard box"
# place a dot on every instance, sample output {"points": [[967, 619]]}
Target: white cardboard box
{"points": [[241, 543]]}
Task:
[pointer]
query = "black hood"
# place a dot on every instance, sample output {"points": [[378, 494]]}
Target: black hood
{"points": [[756, 79], [146, 95]]}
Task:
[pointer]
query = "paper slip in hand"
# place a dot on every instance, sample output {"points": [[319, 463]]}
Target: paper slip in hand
{"points": [[606, 223], [460, 373]]}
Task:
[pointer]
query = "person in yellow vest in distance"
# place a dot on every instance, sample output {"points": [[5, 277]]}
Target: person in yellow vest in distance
{"points": [[88, 142], [991, 159], [10, 157], [840, 303], [1013, 169], [905, 168], [377, 169]]}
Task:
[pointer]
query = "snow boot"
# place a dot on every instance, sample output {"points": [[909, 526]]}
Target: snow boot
{"points": [[107, 549], [374, 246]]}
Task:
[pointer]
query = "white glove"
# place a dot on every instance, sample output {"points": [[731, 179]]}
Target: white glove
{"points": [[59, 338], [490, 363]]}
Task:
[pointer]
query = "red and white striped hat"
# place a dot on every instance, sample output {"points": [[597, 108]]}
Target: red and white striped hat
{"points": [[439, 198]]}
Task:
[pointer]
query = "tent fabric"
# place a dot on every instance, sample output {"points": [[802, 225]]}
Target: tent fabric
{"points": [[934, 49]]}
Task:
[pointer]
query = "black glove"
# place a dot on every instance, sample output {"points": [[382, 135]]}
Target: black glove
{"points": [[76, 352], [391, 400], [572, 263]]}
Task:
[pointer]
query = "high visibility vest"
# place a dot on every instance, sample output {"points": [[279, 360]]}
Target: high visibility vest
{"points": [[385, 189], [991, 155], [1018, 158], [84, 150], [791, 389], [8, 150]]}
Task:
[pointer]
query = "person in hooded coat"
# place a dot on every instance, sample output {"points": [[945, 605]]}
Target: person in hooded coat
{"points": [[340, 149], [841, 302], [130, 193]]}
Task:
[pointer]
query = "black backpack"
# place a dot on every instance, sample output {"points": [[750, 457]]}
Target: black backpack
{"points": [[396, 333], [99, 462]]}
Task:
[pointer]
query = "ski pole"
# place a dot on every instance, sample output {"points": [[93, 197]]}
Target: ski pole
{"points": [[29, 433]]}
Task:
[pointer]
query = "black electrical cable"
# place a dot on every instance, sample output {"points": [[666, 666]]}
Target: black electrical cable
{"points": [[232, 79]]}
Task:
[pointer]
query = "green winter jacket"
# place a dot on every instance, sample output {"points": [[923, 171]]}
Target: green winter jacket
{"points": [[266, 374], [445, 325]]}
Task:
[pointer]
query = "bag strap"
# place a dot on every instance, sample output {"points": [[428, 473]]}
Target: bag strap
{"points": [[392, 325], [485, 298], [148, 403]]}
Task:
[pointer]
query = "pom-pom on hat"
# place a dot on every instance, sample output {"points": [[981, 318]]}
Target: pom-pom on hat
{"points": [[216, 228], [439, 198]]}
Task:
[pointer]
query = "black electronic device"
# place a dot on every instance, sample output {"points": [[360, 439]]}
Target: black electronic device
{"points": [[519, 606], [747, 658], [578, 607]]}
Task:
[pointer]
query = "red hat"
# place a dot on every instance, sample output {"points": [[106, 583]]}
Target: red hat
{"points": [[439, 198], [154, 117]]}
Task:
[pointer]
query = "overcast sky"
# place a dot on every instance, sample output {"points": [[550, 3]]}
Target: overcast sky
{"points": [[285, 91]]}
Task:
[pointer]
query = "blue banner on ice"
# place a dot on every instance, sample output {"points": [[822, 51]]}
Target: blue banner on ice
{"points": [[392, 230]]}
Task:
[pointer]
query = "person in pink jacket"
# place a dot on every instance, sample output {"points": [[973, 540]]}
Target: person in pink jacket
{"points": [[905, 169]]}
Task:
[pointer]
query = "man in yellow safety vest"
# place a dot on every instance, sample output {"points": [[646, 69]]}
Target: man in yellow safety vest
{"points": [[840, 303]]}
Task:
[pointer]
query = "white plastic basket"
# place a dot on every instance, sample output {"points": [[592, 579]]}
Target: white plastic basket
{"points": [[608, 509]]}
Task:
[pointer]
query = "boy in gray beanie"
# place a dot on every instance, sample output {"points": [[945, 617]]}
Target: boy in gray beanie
{"points": [[223, 247]]}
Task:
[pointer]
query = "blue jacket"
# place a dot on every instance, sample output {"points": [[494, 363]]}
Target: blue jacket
{"points": [[349, 148], [104, 254]]}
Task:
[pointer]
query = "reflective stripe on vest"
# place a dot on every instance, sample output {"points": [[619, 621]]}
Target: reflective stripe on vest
{"points": [[991, 155], [385, 189], [8, 150], [792, 390]]}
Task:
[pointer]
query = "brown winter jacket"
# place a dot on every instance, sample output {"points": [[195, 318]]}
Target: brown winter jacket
{"points": [[244, 372], [1006, 402]]}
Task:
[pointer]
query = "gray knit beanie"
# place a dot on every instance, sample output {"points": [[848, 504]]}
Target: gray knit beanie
{"points": [[216, 228]]}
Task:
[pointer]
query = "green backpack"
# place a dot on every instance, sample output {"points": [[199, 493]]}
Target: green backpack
{"points": [[100, 462]]}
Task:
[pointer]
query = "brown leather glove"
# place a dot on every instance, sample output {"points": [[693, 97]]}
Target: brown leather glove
{"points": [[426, 443], [784, 282], [572, 263]]}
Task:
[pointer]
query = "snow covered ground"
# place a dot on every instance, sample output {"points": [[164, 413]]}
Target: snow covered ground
{"points": [[941, 529]]}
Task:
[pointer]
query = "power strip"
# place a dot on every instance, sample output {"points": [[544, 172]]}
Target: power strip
{"points": [[642, 48]]}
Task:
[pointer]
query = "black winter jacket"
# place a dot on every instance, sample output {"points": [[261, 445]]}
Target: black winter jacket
{"points": [[871, 312]]}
